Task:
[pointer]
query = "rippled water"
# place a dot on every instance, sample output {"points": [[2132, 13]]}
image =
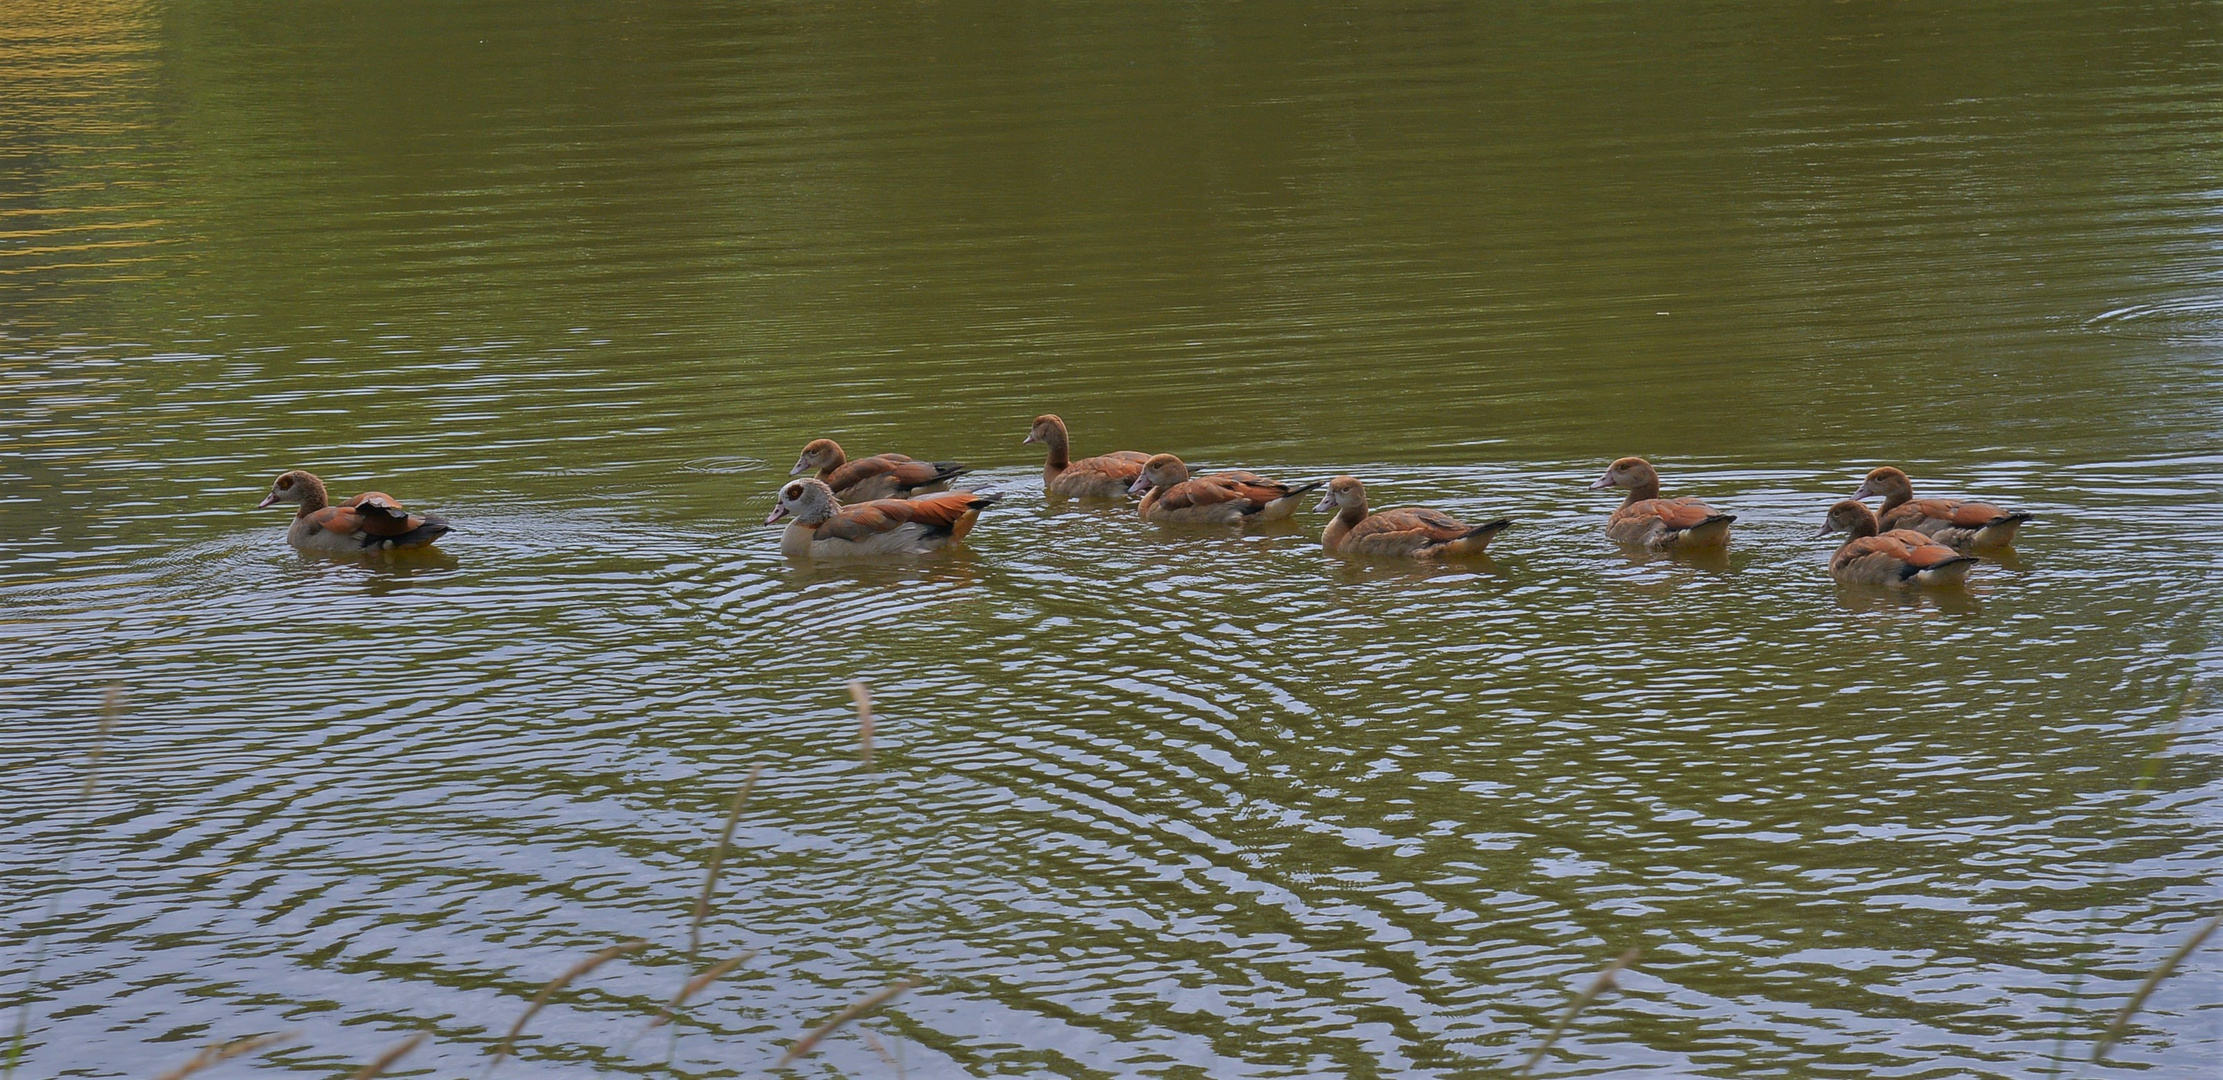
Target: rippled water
{"points": [[1145, 802]]}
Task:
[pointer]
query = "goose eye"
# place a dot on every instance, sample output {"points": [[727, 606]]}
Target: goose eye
{"points": [[285, 483], [793, 492]]}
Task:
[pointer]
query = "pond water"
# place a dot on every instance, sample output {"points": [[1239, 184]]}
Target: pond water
{"points": [[1143, 802]]}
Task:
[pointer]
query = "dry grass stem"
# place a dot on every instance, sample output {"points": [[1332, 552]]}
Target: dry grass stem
{"points": [[694, 986], [808, 1043], [1599, 985], [863, 696], [400, 1050], [881, 1049], [717, 860], [111, 706], [2138, 1000], [549, 991], [2148, 772], [215, 1055]]}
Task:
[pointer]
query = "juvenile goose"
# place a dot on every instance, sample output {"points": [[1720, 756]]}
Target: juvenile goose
{"points": [[372, 521], [822, 527], [1409, 531], [1962, 525], [1660, 524], [881, 476], [1897, 557], [1106, 476], [1229, 498]]}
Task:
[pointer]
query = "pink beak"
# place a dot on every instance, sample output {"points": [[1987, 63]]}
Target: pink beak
{"points": [[1141, 484], [267, 500], [1605, 481], [778, 512], [1030, 438]]}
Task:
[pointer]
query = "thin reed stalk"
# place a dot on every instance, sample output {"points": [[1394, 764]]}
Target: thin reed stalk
{"points": [[1599, 985], [717, 860], [110, 707], [808, 1043], [881, 1049], [694, 986], [549, 991], [386, 1060], [2138, 1000], [2150, 769], [863, 696], [216, 1055]]}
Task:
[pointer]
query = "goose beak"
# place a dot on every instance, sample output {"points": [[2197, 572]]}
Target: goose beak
{"points": [[802, 465], [778, 512], [1605, 481], [267, 500], [1029, 439], [1327, 503], [1141, 485], [1863, 492], [1827, 530]]}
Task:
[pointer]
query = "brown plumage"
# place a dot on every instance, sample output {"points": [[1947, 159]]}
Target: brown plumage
{"points": [[1409, 532], [1895, 557], [1958, 524], [881, 476], [822, 527], [1660, 524], [1106, 476], [372, 521], [1229, 498]]}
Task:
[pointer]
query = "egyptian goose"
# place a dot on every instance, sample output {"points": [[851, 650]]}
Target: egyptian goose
{"points": [[372, 521], [1106, 476], [1410, 532], [822, 527], [1956, 524], [1660, 524], [881, 476], [1896, 557], [1228, 498]]}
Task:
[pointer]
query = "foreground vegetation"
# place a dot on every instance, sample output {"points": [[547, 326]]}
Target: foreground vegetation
{"points": [[704, 977]]}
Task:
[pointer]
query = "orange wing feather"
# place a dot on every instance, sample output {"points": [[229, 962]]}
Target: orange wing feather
{"points": [[914, 473], [1976, 515], [862, 521], [1678, 513], [1205, 491], [1124, 465], [378, 514], [1433, 524], [862, 469], [944, 509]]}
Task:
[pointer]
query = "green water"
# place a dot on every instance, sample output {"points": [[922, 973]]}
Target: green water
{"points": [[1145, 802]]}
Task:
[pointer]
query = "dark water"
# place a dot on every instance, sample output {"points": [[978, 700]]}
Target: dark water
{"points": [[1145, 802]]}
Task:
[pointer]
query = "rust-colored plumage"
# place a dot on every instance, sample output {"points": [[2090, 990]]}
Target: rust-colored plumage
{"points": [[1660, 524], [1106, 476], [881, 476], [1895, 557], [821, 526], [1409, 532], [1170, 496], [1958, 524], [371, 521]]}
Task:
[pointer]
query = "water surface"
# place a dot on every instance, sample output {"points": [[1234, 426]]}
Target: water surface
{"points": [[1145, 802]]}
